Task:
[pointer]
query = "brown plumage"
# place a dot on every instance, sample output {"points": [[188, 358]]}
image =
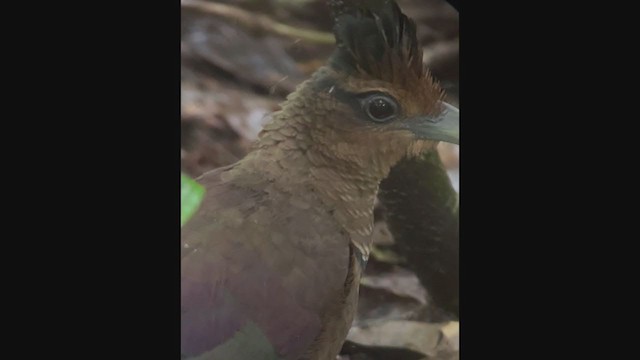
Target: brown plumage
{"points": [[272, 260]]}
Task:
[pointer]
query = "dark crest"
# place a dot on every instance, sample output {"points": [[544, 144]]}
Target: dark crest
{"points": [[375, 38]]}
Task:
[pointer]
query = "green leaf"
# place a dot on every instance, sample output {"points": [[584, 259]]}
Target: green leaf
{"points": [[191, 195]]}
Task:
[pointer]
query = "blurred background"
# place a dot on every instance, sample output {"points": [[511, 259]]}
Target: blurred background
{"points": [[239, 59]]}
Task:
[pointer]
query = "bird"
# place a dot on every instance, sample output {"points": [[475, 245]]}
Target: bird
{"points": [[422, 214], [272, 259]]}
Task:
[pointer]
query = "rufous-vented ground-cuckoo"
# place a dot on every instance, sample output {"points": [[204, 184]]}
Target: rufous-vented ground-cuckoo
{"points": [[271, 261]]}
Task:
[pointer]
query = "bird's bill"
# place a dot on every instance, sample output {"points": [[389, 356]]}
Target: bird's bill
{"points": [[443, 127]]}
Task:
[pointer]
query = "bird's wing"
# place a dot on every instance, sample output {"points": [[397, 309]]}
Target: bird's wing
{"points": [[258, 268]]}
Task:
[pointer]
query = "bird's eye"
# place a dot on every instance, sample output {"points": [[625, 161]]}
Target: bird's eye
{"points": [[380, 108]]}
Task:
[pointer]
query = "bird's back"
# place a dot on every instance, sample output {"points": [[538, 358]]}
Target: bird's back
{"points": [[260, 270]]}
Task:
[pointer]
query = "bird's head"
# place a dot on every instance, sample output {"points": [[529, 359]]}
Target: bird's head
{"points": [[375, 102]]}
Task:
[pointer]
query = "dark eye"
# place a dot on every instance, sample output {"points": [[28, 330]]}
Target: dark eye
{"points": [[380, 108]]}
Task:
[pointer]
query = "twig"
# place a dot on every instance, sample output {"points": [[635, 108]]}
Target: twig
{"points": [[259, 22]]}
